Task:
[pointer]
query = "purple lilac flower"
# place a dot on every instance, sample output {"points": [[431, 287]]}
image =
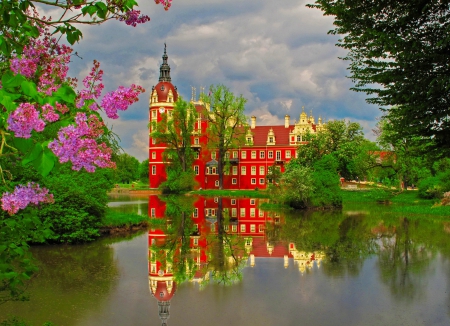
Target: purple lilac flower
{"points": [[23, 196], [134, 17], [166, 3], [24, 119], [77, 143], [49, 113], [93, 87], [120, 99]]}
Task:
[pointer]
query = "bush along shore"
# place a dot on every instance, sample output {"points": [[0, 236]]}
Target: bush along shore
{"points": [[120, 223]]}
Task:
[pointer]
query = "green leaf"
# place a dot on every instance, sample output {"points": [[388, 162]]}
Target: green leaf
{"points": [[30, 89], [45, 162], [91, 9], [129, 4], [66, 93], [23, 144], [33, 155], [9, 80], [8, 101], [102, 10]]}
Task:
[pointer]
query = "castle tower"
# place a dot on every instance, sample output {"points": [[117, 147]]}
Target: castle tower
{"points": [[162, 100]]}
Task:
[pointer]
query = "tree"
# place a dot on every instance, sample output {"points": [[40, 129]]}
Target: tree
{"points": [[20, 21], [227, 124], [127, 168], [176, 131], [143, 171], [44, 120], [408, 159], [344, 140], [398, 51]]}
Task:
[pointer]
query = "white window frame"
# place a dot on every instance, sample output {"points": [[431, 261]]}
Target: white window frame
{"points": [[278, 155]]}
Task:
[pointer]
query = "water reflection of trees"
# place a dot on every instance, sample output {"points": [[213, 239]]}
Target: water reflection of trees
{"points": [[403, 247], [226, 253], [220, 257], [403, 258], [345, 239]]}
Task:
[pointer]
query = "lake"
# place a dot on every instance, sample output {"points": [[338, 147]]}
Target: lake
{"points": [[365, 265]]}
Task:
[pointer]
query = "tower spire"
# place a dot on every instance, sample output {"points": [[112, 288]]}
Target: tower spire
{"points": [[164, 70]]}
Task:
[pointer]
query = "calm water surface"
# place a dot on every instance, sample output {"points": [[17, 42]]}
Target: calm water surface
{"points": [[363, 266]]}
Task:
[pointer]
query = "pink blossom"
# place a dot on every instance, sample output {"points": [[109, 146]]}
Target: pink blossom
{"points": [[120, 99], [49, 113], [45, 60], [24, 119], [25, 66], [23, 196], [165, 3], [93, 87], [77, 143], [134, 17]]}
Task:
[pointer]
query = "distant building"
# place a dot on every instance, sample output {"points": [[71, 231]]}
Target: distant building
{"points": [[265, 146]]}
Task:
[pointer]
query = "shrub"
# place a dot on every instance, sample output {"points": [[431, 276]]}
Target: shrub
{"points": [[80, 204]]}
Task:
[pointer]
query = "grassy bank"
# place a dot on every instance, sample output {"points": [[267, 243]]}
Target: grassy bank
{"points": [[405, 202], [135, 185], [116, 221]]}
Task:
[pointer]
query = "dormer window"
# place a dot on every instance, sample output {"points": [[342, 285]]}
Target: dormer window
{"points": [[271, 137], [249, 137]]}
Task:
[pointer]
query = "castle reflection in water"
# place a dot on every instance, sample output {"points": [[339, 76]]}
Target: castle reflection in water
{"points": [[212, 239]]}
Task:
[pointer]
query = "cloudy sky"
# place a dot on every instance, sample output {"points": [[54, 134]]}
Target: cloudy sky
{"points": [[277, 54]]}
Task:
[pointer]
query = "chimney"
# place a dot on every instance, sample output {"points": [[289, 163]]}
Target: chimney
{"points": [[253, 125], [286, 121]]}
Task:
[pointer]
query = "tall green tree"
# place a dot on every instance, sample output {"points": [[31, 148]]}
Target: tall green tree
{"points": [[227, 124], [342, 139], [127, 168], [398, 52], [408, 161], [143, 171], [175, 130]]}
